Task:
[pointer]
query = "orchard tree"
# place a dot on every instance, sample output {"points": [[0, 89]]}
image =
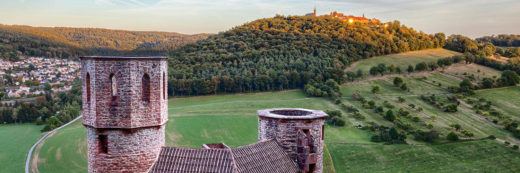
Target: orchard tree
{"points": [[390, 115], [376, 89], [452, 136], [398, 81]]}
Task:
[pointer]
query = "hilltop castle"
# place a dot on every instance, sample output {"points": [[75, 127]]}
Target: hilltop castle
{"points": [[125, 112], [347, 18]]}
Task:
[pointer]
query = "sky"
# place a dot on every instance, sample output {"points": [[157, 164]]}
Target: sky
{"points": [[473, 18]]}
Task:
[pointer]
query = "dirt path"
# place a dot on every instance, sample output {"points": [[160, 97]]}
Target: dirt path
{"points": [[351, 66]]}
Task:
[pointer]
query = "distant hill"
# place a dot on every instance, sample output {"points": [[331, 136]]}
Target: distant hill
{"points": [[69, 42], [286, 52]]}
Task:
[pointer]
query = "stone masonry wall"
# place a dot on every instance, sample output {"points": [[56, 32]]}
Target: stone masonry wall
{"points": [[127, 110], [132, 129], [128, 150], [285, 132]]}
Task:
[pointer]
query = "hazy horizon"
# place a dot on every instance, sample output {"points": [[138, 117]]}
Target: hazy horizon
{"points": [[472, 18]]}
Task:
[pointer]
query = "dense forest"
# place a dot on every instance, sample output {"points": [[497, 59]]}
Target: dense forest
{"points": [[504, 40], [286, 52], [72, 42]]}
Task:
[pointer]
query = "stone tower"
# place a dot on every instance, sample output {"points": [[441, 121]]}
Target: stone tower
{"points": [[299, 131], [124, 111]]}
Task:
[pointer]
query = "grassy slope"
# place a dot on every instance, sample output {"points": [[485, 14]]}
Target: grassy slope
{"points": [[507, 99], [12, 157], [403, 59], [64, 151], [476, 156]]}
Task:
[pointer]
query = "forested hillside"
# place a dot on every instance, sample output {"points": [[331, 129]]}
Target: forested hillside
{"points": [[286, 52], [71, 42]]}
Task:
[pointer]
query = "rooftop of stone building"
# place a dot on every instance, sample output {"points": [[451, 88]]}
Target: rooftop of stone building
{"points": [[261, 157], [291, 113]]}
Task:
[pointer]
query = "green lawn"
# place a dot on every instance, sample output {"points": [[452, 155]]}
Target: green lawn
{"points": [[403, 59], [475, 156], [64, 151], [15, 142]]}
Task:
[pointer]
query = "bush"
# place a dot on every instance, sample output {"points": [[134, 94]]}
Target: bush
{"points": [[376, 89], [429, 136], [506, 143], [401, 99], [337, 121], [515, 147], [492, 137], [390, 115], [467, 133], [358, 116], [39, 121], [334, 118], [429, 125], [404, 87], [398, 81], [452, 136], [451, 108]]}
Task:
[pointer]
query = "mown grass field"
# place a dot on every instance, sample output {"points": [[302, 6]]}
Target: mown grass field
{"points": [[403, 59], [15, 142], [475, 156]]}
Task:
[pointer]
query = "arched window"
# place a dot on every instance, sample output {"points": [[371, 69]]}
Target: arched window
{"points": [[113, 86], [87, 81], [145, 84], [164, 85]]}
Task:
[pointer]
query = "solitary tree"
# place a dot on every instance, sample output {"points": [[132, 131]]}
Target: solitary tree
{"points": [[398, 81], [390, 115], [404, 87], [452, 136], [376, 89]]}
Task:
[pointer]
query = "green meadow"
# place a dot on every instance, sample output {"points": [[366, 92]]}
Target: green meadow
{"points": [[403, 59], [15, 142]]}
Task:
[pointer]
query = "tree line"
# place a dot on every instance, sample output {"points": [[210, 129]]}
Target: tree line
{"points": [[51, 110], [505, 40]]}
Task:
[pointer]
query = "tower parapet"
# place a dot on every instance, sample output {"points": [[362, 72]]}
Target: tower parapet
{"points": [[300, 133], [125, 111]]}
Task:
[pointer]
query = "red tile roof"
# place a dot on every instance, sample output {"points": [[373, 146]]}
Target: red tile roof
{"points": [[261, 157], [172, 159]]}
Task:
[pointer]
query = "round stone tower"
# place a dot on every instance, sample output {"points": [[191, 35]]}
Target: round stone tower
{"points": [[124, 111], [299, 132]]}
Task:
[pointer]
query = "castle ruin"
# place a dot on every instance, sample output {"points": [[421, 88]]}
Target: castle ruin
{"points": [[125, 104]]}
